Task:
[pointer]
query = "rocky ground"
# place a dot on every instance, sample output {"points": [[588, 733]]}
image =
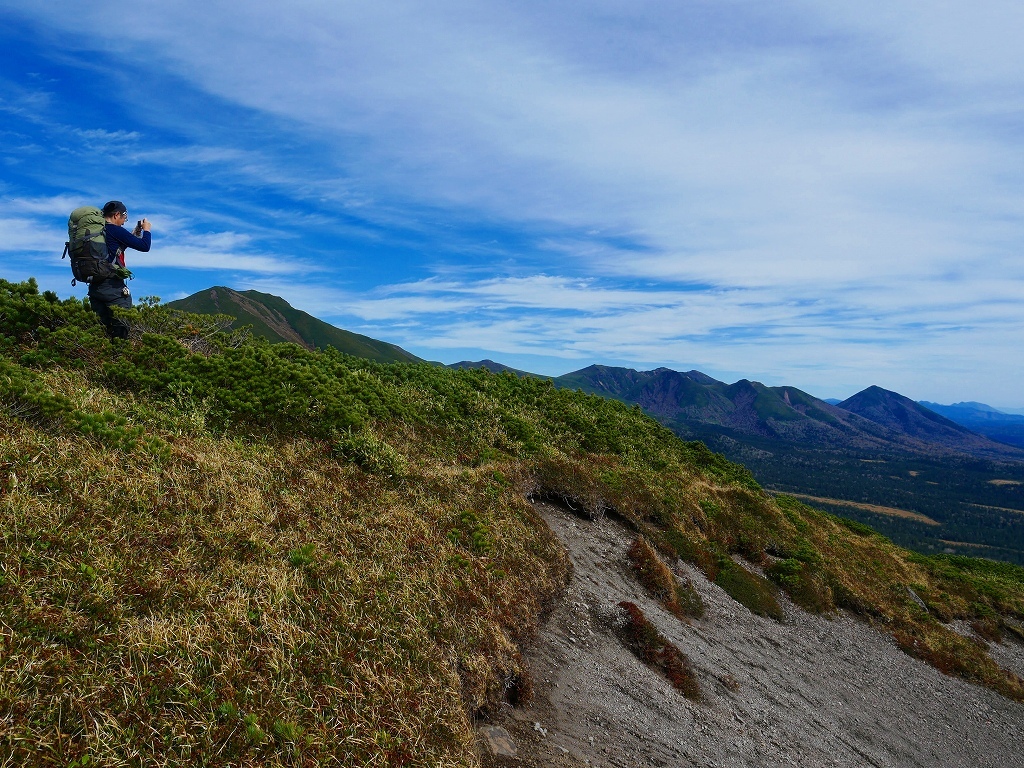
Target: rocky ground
{"points": [[813, 691]]}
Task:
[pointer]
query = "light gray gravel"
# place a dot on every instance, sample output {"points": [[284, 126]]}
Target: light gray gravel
{"points": [[810, 692]]}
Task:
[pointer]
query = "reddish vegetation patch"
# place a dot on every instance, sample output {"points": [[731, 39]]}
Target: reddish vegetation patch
{"points": [[679, 599], [652, 648]]}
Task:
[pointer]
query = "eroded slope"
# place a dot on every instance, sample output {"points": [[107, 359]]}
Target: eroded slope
{"points": [[812, 691]]}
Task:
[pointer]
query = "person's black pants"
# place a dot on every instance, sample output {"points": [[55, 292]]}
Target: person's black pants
{"points": [[110, 293]]}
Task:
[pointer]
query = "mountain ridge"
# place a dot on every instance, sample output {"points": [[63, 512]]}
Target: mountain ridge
{"points": [[274, 319], [873, 419], [995, 424], [491, 366]]}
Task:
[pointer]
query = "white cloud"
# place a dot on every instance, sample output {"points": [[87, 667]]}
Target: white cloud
{"points": [[967, 44], [22, 236], [54, 206], [826, 174], [185, 257]]}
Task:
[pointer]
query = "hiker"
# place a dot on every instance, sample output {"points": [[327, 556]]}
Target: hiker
{"points": [[112, 291]]}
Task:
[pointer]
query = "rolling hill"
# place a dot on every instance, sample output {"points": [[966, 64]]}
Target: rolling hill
{"points": [[274, 319], [489, 365]]}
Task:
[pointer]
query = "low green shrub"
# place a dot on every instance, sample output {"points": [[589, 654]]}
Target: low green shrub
{"points": [[692, 551], [748, 589], [304, 555], [803, 584], [370, 452], [473, 534]]}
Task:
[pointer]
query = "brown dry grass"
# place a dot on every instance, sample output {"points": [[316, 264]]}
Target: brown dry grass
{"points": [[651, 647], [254, 603], [890, 511]]}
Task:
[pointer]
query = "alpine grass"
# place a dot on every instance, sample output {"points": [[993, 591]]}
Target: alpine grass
{"points": [[217, 551]]}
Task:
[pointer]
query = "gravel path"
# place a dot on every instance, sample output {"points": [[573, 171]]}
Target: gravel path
{"points": [[810, 692]]}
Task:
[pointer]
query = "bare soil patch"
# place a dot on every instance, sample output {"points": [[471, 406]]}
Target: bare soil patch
{"points": [[812, 691]]}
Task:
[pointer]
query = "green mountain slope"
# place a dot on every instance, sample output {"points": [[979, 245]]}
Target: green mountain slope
{"points": [[258, 554], [274, 319]]}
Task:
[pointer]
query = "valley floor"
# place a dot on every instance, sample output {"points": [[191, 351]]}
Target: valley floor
{"points": [[813, 691]]}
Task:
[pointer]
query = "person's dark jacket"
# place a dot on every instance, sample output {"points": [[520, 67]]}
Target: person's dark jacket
{"points": [[119, 238]]}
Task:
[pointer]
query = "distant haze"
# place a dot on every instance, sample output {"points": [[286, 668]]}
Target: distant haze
{"points": [[827, 196]]}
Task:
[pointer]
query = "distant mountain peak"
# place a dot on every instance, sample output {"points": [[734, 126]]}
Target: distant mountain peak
{"points": [[273, 318], [893, 410], [489, 365], [874, 419], [965, 405]]}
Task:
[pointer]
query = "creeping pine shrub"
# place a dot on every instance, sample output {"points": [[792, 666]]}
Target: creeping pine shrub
{"points": [[253, 732], [203, 334], [799, 574], [287, 733], [692, 551], [750, 590], [369, 452], [803, 584], [652, 648], [678, 598], [27, 396]]}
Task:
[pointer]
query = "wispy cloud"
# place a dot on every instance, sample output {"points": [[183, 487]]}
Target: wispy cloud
{"points": [[215, 259], [792, 186]]}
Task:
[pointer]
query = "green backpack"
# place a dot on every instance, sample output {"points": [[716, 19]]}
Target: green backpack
{"points": [[87, 246]]}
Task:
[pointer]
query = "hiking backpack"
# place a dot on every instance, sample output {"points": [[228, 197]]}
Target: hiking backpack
{"points": [[87, 246]]}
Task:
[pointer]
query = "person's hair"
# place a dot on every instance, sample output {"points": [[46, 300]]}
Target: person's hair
{"points": [[113, 208]]}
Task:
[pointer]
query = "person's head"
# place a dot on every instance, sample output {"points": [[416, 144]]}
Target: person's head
{"points": [[115, 212]]}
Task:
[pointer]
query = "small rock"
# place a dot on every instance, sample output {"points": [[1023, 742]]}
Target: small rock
{"points": [[917, 599], [498, 741], [540, 729]]}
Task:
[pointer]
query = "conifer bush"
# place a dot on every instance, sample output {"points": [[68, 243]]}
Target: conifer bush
{"points": [[748, 589]]}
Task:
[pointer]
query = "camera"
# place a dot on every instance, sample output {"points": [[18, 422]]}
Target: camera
{"points": [[138, 227]]}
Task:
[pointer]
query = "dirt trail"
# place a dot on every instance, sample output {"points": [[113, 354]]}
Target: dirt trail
{"points": [[810, 692]]}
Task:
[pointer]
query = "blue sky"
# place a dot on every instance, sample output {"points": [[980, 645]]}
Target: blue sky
{"points": [[793, 192]]}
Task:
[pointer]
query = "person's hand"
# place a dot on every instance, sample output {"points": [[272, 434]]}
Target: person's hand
{"points": [[146, 225]]}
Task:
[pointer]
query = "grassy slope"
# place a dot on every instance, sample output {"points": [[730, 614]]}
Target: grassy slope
{"points": [[262, 555]]}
